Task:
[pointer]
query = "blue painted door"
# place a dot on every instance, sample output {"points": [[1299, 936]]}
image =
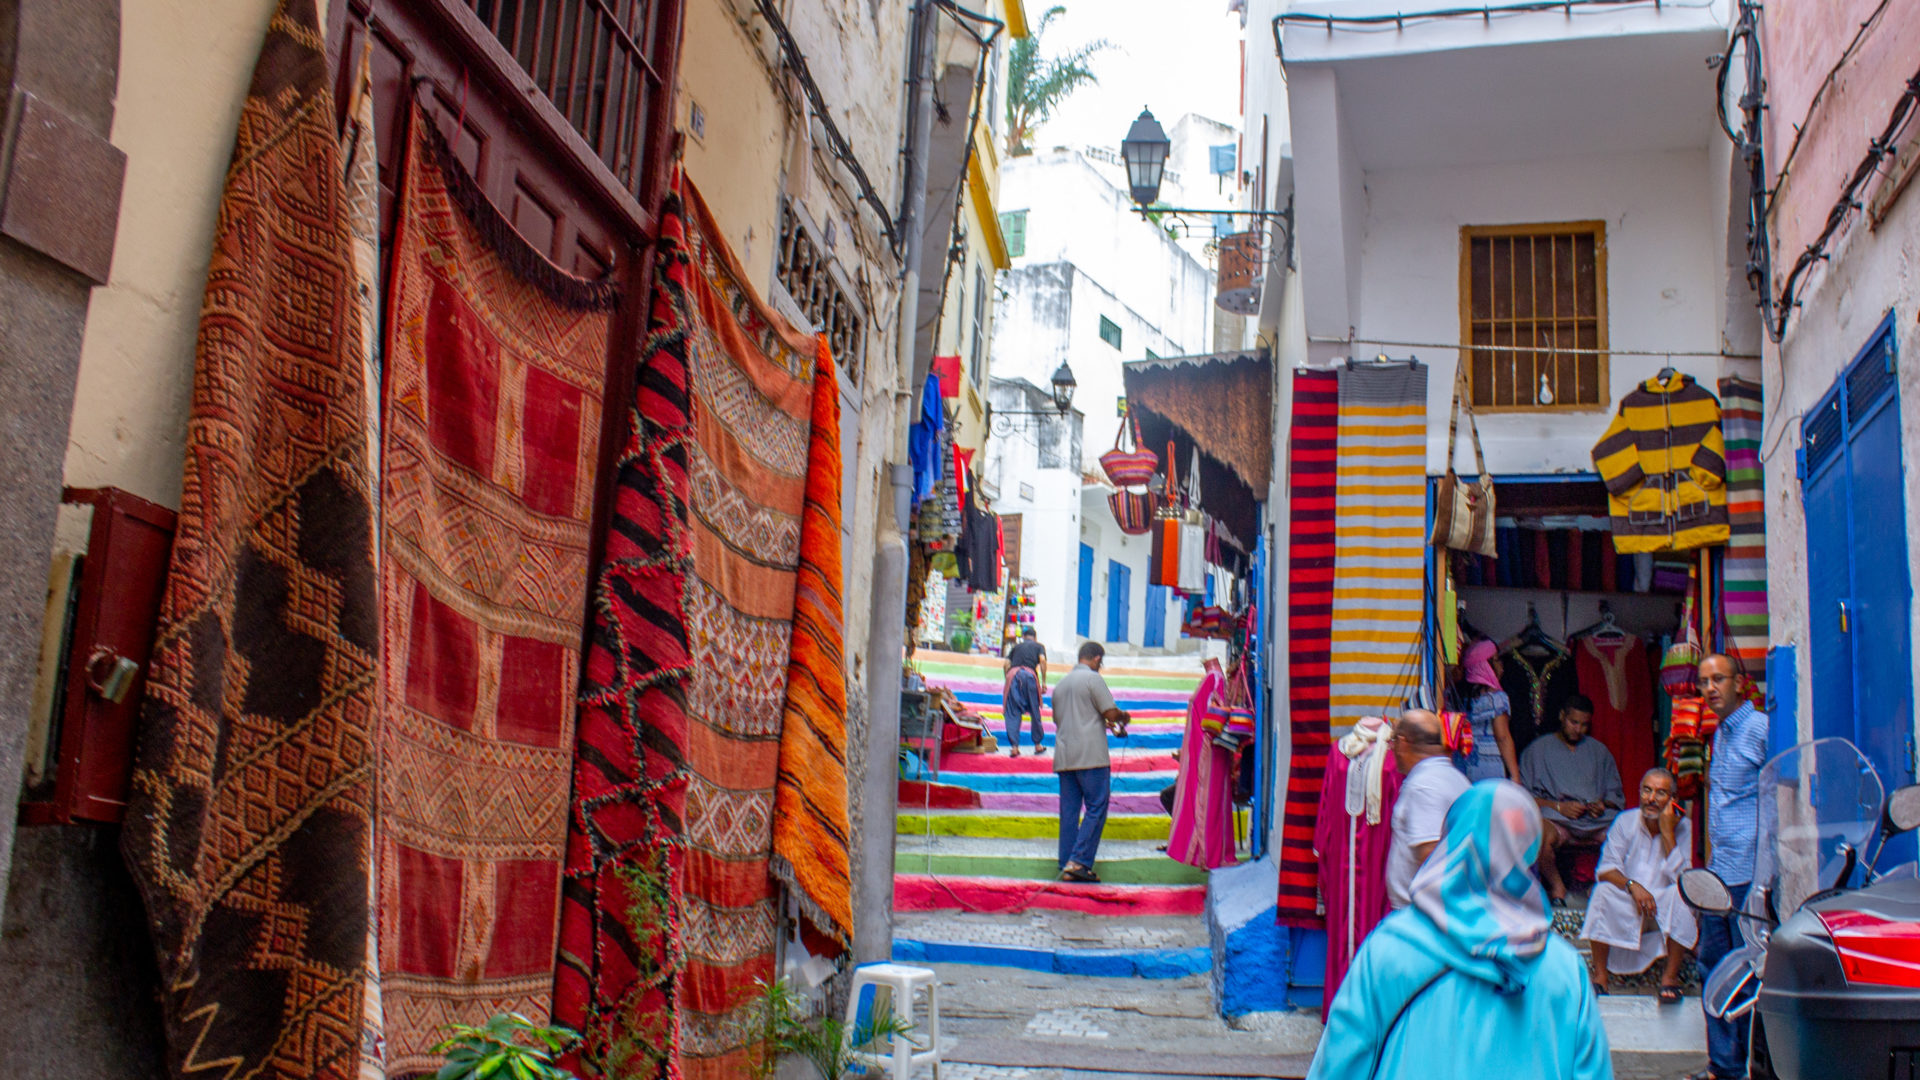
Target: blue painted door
{"points": [[1859, 591], [1154, 634], [1119, 597], [1083, 615]]}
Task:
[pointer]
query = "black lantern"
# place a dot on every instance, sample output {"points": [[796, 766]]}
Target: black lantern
{"points": [[1063, 384], [1145, 150]]}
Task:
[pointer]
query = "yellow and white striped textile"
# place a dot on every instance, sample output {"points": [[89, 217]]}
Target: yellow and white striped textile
{"points": [[1379, 561]]}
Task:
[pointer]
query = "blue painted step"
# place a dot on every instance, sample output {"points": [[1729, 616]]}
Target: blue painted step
{"points": [[1111, 963]]}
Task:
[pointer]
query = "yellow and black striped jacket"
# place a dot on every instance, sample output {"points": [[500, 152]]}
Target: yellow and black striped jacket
{"points": [[1665, 468]]}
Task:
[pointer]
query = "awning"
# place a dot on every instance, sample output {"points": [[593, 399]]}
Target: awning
{"points": [[1221, 403]]}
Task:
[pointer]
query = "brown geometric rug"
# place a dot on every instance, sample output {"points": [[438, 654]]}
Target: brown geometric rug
{"points": [[247, 828]]}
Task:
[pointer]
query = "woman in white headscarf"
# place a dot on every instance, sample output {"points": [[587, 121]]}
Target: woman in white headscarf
{"points": [[1469, 981]]}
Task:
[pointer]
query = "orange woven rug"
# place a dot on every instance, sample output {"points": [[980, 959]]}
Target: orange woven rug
{"points": [[713, 736], [495, 363]]}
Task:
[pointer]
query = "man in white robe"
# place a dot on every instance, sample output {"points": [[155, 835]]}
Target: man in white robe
{"points": [[1636, 912]]}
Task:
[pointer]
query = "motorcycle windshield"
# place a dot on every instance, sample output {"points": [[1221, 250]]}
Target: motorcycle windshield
{"points": [[1818, 801]]}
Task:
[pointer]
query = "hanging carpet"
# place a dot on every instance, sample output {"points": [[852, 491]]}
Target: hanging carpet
{"points": [[495, 363], [711, 765], [1379, 562], [1743, 595], [1310, 502], [248, 822]]}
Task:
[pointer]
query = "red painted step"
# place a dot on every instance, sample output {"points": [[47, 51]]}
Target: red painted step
{"points": [[924, 892], [914, 793]]}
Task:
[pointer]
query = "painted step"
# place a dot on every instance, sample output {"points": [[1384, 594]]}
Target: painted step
{"points": [[923, 892], [1048, 783], [1157, 870], [937, 796], [1163, 737], [1025, 826], [1122, 760], [1105, 963]]}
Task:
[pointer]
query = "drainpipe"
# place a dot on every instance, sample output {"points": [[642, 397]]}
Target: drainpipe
{"points": [[886, 635]]}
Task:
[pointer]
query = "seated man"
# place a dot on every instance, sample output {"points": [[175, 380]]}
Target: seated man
{"points": [[1638, 880], [1576, 784]]}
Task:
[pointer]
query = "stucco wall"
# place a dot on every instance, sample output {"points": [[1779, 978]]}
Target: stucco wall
{"points": [[1663, 280], [184, 68]]}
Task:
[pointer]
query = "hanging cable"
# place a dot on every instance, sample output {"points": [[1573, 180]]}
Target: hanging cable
{"points": [[1848, 202], [837, 145], [1749, 141]]}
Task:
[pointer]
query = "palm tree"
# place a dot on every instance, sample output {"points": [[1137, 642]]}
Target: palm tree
{"points": [[1037, 85]]}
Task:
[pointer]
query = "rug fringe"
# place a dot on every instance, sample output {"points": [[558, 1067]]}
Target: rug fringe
{"points": [[783, 870]]}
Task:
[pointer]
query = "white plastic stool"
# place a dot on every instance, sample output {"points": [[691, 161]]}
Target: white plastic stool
{"points": [[884, 988]]}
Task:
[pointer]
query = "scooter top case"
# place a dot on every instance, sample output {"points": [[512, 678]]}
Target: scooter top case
{"points": [[1840, 996]]}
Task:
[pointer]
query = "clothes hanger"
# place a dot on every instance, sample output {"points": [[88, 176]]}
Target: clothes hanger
{"points": [[1606, 629], [1667, 372]]}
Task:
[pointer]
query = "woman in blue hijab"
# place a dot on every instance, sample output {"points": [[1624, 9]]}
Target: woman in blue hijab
{"points": [[1469, 981]]}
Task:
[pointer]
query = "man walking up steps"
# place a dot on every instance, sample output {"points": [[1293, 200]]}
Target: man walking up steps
{"points": [[1083, 713]]}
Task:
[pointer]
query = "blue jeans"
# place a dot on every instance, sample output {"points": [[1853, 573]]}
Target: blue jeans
{"points": [[1080, 836], [1022, 699], [1726, 1039]]}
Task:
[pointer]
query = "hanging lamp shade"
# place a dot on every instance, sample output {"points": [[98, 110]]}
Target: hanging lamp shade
{"points": [[1145, 150]]}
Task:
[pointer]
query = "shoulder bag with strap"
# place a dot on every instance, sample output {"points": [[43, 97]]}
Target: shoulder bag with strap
{"points": [[1463, 513]]}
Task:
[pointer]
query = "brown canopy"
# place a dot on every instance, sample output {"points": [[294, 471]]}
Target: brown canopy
{"points": [[1221, 403]]}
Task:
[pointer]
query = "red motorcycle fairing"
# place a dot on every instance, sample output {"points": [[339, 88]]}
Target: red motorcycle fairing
{"points": [[1874, 949]]}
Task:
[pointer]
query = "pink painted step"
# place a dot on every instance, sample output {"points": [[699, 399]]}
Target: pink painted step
{"points": [[1005, 896]]}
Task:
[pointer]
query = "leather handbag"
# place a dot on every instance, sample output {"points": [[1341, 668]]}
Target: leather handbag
{"points": [[1463, 513], [1129, 468], [1240, 707]]}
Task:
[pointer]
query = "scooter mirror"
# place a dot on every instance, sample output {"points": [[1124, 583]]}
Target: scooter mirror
{"points": [[1903, 809], [1703, 890]]}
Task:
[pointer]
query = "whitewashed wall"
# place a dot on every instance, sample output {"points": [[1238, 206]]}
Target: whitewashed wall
{"points": [[1664, 280]]}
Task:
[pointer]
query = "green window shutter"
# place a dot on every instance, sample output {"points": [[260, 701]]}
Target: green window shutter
{"points": [[1109, 331], [1013, 225]]}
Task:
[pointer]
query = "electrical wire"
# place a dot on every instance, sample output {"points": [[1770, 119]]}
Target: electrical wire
{"points": [[1848, 202], [837, 144], [1398, 21], [1793, 148], [1568, 350]]}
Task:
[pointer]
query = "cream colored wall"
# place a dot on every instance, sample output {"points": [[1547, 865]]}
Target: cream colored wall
{"points": [[738, 161], [184, 70]]}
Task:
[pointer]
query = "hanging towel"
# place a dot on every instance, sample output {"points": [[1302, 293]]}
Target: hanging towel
{"points": [[1366, 747]]}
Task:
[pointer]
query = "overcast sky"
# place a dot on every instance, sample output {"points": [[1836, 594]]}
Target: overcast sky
{"points": [[1173, 56]]}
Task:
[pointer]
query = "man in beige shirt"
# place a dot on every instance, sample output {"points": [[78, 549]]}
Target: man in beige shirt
{"points": [[1083, 713]]}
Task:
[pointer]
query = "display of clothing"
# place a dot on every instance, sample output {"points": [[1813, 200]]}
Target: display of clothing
{"points": [[1202, 832], [923, 441], [1352, 835], [1614, 674], [1536, 686], [1193, 559], [1663, 460]]}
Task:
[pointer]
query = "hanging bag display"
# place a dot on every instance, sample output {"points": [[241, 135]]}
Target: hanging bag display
{"points": [[1463, 513], [1130, 468], [1165, 565], [1134, 511], [1240, 707]]}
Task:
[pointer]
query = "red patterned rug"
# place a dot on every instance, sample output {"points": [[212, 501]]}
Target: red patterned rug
{"points": [[247, 828], [690, 738], [495, 362], [1316, 408]]}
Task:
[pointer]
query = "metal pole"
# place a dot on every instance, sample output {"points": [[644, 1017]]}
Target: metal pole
{"points": [[886, 634]]}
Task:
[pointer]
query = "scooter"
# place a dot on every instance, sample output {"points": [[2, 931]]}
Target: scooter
{"points": [[1830, 973]]}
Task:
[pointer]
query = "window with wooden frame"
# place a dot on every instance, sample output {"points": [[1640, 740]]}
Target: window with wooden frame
{"points": [[600, 62], [1533, 315]]}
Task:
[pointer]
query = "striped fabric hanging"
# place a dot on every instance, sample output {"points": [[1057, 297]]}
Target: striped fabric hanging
{"points": [[1380, 541], [1310, 504], [1743, 591]]}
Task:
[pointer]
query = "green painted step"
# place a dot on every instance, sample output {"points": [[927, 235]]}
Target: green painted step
{"points": [[1159, 870], [1031, 826]]}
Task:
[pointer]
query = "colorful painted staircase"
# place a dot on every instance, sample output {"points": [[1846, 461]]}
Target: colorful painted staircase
{"points": [[976, 870]]}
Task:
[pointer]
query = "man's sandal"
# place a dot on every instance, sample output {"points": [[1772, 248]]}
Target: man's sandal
{"points": [[1669, 995]]}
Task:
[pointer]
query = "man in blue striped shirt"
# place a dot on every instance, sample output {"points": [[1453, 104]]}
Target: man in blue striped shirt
{"points": [[1733, 810]]}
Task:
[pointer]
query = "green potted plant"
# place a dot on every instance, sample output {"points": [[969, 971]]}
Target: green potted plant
{"points": [[507, 1047], [962, 638], [825, 1042]]}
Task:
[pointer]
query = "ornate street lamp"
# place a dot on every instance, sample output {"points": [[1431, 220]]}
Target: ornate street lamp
{"points": [[1145, 150], [1063, 387]]}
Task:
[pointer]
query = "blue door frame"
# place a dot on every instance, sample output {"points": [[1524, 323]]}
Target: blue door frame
{"points": [[1153, 635], [1859, 590], [1083, 614]]}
